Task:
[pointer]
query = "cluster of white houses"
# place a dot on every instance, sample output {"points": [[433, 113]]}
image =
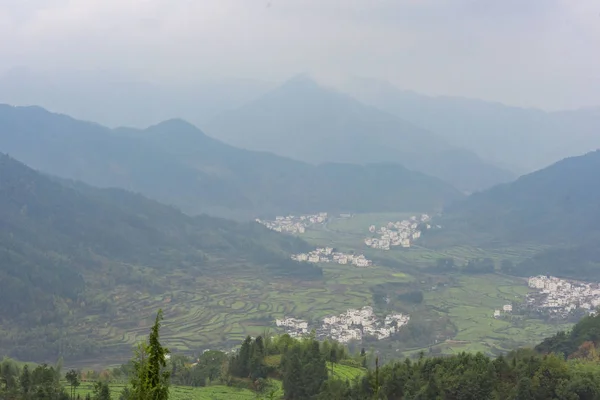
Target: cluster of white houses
{"points": [[507, 308], [354, 324], [401, 233], [561, 296], [293, 223], [326, 255]]}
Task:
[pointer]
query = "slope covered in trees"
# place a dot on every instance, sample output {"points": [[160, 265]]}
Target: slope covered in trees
{"points": [[175, 163], [558, 206], [61, 243]]}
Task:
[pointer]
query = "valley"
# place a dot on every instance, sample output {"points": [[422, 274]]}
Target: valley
{"points": [[450, 312]]}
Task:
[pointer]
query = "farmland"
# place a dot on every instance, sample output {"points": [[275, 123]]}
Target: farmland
{"points": [[213, 392], [218, 311]]}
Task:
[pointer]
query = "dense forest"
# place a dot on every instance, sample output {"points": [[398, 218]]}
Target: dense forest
{"points": [[562, 367]]}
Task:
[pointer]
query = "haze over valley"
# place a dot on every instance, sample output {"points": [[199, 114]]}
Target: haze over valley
{"points": [[299, 200]]}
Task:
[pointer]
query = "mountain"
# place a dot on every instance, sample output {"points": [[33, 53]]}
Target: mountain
{"points": [[122, 99], [557, 207], [521, 139], [176, 163], [65, 246], [306, 121], [557, 204]]}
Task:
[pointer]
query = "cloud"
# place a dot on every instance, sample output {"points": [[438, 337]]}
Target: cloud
{"points": [[535, 52]]}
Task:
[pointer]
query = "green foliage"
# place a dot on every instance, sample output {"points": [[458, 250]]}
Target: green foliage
{"points": [[62, 245], [567, 343], [101, 391], [150, 379], [555, 206], [303, 370], [42, 383], [72, 378]]}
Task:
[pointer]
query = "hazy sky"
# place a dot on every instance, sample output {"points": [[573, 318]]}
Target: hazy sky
{"points": [[543, 53]]}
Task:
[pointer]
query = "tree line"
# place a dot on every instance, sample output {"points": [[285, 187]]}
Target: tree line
{"points": [[565, 366]]}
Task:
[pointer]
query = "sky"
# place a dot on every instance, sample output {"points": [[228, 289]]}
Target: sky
{"points": [[532, 53]]}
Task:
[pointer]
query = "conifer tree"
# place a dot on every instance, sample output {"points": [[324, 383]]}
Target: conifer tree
{"points": [[150, 380]]}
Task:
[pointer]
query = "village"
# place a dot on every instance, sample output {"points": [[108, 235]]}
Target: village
{"points": [[401, 233], [294, 224], [560, 297], [327, 255], [354, 324]]}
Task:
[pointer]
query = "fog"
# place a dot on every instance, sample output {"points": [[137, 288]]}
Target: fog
{"points": [[536, 53]]}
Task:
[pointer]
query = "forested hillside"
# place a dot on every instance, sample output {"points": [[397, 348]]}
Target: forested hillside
{"points": [[175, 163], [63, 244], [558, 206]]}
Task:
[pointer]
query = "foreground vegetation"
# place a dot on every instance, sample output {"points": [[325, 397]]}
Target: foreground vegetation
{"points": [[562, 367]]}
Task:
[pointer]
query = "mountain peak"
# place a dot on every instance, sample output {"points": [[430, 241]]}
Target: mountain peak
{"points": [[303, 82], [176, 125]]}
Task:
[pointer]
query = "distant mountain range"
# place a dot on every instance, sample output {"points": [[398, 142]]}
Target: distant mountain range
{"points": [[519, 139], [306, 121], [64, 244], [120, 99], [176, 163]]}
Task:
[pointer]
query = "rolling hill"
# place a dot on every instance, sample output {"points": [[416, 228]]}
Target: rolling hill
{"points": [[558, 207], [306, 121], [558, 204], [65, 246], [522, 140], [176, 163]]}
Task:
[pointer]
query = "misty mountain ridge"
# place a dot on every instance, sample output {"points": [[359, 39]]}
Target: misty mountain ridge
{"points": [[559, 204], [124, 99], [521, 139], [555, 212], [306, 121], [176, 163]]}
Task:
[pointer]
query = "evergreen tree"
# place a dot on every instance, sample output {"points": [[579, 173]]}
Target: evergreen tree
{"points": [[150, 380], [101, 391], [25, 382]]}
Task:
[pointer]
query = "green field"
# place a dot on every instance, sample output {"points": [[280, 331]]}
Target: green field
{"points": [[213, 392], [222, 392], [345, 372], [219, 311], [470, 306]]}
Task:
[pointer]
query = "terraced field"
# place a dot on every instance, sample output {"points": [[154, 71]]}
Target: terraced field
{"points": [[470, 306], [213, 392], [219, 311], [345, 372]]}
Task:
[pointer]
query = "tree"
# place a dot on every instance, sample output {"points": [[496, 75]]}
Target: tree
{"points": [[101, 391], [150, 380], [73, 378], [25, 381]]}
